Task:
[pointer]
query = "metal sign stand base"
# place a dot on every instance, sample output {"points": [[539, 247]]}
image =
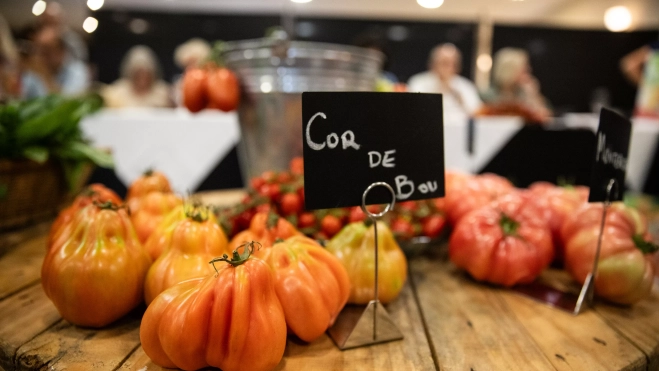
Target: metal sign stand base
{"points": [[356, 328]]}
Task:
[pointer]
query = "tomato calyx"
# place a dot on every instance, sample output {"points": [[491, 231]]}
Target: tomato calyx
{"points": [[236, 258], [508, 225], [148, 172], [272, 220], [107, 205], [646, 247], [197, 213]]}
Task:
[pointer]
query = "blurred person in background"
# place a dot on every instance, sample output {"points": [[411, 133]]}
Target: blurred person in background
{"points": [[9, 64], [53, 17], [140, 84], [52, 69], [460, 95], [192, 53], [515, 91]]}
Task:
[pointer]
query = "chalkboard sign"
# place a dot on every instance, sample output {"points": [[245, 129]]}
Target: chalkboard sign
{"points": [[611, 151], [353, 139]]}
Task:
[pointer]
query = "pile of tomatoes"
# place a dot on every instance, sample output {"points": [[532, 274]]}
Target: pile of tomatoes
{"points": [[283, 193], [235, 300]]}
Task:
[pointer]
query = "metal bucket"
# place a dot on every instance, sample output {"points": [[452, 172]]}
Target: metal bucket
{"points": [[273, 75]]}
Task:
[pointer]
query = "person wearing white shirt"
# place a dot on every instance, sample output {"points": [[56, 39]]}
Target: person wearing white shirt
{"points": [[460, 96]]}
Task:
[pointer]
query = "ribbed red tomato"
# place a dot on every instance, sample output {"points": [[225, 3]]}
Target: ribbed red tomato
{"points": [[505, 242], [472, 193], [626, 267]]}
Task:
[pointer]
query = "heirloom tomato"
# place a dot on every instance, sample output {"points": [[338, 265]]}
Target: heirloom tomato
{"points": [[354, 246], [159, 239], [97, 275], [92, 193], [472, 193], [152, 210], [626, 264], [195, 93], [505, 242], [150, 181], [223, 89], [266, 228], [231, 319], [557, 204], [311, 284], [188, 245]]}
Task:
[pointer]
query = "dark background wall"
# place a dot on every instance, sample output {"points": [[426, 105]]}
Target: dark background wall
{"points": [[570, 64]]}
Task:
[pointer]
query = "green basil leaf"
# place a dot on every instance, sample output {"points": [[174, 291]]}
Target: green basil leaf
{"points": [[45, 124]]}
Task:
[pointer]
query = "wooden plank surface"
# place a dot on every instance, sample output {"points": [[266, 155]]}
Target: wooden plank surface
{"points": [[21, 267], [412, 353], [471, 327], [639, 324]]}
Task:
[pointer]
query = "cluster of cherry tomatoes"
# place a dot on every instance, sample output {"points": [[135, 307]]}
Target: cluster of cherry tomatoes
{"points": [[210, 87], [283, 192]]}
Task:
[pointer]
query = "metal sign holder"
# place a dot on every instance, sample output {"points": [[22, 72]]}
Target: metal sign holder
{"points": [[587, 294], [565, 300], [374, 325]]}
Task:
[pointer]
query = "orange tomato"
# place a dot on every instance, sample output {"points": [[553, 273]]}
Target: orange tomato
{"points": [[151, 212], [159, 239], [92, 193], [97, 275], [189, 245], [150, 181], [311, 284], [354, 246], [223, 89], [265, 228], [231, 319]]}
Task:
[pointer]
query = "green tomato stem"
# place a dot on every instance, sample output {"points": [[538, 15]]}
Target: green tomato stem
{"points": [[508, 225], [236, 258]]}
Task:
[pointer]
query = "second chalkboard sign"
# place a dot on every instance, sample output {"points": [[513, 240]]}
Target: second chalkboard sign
{"points": [[354, 139]]}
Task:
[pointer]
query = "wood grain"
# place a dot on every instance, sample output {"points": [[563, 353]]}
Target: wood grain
{"points": [[22, 317], [21, 266], [65, 346], [412, 353], [470, 325], [9, 239], [638, 323], [583, 342]]}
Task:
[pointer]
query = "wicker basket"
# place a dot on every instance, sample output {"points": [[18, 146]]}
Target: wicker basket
{"points": [[31, 192]]}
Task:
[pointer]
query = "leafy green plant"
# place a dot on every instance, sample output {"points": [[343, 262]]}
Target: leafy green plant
{"points": [[47, 127]]}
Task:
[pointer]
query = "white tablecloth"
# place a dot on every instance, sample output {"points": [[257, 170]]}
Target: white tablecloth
{"points": [[185, 146]]}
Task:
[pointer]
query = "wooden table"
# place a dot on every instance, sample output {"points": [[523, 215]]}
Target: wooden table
{"points": [[449, 322]]}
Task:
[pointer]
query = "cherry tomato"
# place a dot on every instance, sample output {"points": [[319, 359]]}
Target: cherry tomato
{"points": [[297, 166], [284, 177], [433, 225], [331, 225], [269, 176], [290, 204], [223, 89], [409, 206], [271, 191], [402, 228], [195, 95], [256, 182], [356, 214], [306, 220], [243, 219]]}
